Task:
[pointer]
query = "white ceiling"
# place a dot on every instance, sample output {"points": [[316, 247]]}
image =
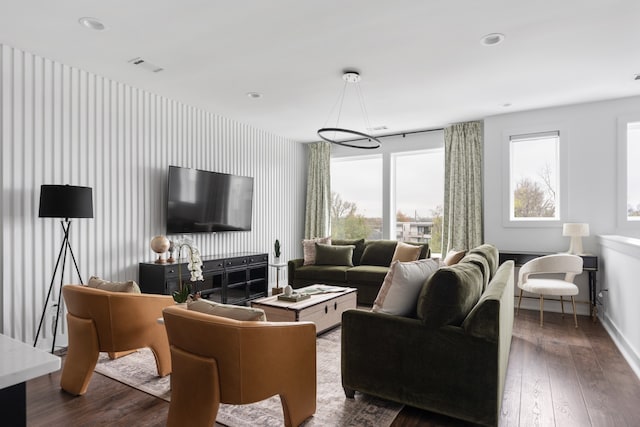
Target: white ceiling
{"points": [[421, 62]]}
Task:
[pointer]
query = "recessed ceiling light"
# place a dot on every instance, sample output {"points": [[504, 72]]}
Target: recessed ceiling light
{"points": [[637, 77], [492, 39], [506, 104], [254, 95], [91, 23]]}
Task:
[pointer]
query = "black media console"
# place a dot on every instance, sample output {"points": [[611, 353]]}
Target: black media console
{"points": [[229, 279]]}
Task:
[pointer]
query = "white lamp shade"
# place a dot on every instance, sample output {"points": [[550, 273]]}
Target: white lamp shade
{"points": [[571, 229], [575, 230]]}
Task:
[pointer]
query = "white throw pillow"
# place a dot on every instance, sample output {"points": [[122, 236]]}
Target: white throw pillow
{"points": [[236, 312], [401, 287]]}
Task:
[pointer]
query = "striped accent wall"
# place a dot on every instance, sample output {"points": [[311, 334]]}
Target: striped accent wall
{"points": [[62, 125]]}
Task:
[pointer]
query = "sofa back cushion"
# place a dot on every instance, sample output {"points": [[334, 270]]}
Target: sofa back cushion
{"points": [[491, 254], [378, 252], [480, 261], [450, 294], [334, 255], [358, 245]]}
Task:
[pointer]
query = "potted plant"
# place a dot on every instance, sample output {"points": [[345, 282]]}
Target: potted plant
{"points": [[195, 267]]}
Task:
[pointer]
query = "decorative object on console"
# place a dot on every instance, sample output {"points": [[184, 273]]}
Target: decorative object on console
{"points": [[276, 250], [194, 266], [576, 231], [172, 249], [363, 140], [160, 244], [63, 201]]}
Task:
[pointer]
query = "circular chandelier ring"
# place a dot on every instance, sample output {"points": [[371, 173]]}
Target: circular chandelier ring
{"points": [[375, 141]]}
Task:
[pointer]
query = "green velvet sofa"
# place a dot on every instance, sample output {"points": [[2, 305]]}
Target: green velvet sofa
{"points": [[452, 357], [371, 261]]}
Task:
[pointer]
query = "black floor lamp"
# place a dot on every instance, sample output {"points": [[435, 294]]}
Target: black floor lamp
{"points": [[63, 201]]}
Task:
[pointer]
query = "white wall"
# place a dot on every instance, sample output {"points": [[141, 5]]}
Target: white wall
{"points": [[62, 125], [621, 271], [591, 135]]}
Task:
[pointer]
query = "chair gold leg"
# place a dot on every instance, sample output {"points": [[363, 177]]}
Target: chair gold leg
{"points": [[541, 309], [519, 301], [562, 306], [575, 318]]}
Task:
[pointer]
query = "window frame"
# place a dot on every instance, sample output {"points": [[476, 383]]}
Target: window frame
{"points": [[562, 205], [623, 220]]}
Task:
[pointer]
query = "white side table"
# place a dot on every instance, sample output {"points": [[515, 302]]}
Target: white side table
{"points": [[19, 363], [277, 265]]}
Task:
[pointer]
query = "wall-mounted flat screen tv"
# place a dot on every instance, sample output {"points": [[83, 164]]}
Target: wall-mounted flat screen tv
{"points": [[201, 201]]}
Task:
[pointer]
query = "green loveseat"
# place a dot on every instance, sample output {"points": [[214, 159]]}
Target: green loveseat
{"points": [[371, 261], [452, 358]]}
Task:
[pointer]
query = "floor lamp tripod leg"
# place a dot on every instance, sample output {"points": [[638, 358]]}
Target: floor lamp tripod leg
{"points": [[53, 279]]}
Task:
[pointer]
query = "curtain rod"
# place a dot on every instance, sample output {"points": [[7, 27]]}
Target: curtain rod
{"points": [[403, 134]]}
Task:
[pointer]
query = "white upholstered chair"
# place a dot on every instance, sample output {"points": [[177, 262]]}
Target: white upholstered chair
{"points": [[570, 265]]}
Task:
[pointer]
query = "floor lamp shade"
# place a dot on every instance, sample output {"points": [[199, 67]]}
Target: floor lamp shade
{"points": [[65, 201]]}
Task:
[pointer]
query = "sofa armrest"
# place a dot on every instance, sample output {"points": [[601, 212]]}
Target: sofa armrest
{"points": [[292, 265]]}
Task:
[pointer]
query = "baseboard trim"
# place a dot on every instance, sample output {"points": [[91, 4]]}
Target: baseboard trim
{"points": [[621, 342]]}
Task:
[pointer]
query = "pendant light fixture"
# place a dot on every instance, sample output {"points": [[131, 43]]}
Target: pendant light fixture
{"points": [[363, 140]]}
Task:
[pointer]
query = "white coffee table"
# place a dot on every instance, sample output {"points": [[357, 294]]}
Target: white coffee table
{"points": [[324, 307]]}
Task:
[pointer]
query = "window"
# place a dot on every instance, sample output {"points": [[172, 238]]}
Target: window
{"points": [[534, 177], [418, 194], [396, 193], [356, 202], [633, 172]]}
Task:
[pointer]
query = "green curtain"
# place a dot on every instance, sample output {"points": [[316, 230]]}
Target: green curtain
{"points": [[462, 218], [316, 222]]}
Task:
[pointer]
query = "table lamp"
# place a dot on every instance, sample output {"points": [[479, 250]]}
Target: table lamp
{"points": [[575, 231]]}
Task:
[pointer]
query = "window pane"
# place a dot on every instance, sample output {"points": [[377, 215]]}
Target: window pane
{"points": [[633, 172], [356, 198], [419, 196], [534, 177]]}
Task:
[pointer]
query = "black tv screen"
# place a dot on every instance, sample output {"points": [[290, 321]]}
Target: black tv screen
{"points": [[201, 201]]}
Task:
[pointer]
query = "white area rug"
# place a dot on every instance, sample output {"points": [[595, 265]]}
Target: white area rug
{"points": [[138, 370]]}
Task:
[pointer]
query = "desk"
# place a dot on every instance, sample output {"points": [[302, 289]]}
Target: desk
{"points": [[19, 363], [590, 265]]}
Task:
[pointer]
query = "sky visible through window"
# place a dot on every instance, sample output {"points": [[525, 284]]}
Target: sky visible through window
{"points": [[419, 182]]}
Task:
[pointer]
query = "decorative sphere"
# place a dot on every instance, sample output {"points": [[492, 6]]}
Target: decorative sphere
{"points": [[160, 244]]}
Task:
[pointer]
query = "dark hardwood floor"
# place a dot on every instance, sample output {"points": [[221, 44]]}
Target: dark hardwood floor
{"points": [[557, 376]]}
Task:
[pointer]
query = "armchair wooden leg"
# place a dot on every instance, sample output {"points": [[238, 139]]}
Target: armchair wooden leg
{"points": [[519, 301], [82, 355], [575, 318], [541, 309], [562, 306]]}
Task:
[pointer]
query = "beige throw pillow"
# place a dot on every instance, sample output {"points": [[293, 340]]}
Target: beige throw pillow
{"points": [[405, 252], [453, 257], [129, 286], [402, 285], [236, 312], [309, 248]]}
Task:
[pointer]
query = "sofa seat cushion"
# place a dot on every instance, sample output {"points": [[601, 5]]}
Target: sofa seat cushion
{"points": [[367, 273], [330, 273], [450, 294]]}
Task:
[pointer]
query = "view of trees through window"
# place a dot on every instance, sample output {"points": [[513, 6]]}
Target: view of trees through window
{"points": [[534, 182], [417, 197], [633, 172]]}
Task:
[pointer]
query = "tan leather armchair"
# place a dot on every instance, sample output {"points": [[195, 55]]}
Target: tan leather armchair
{"points": [[110, 322], [216, 359]]}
